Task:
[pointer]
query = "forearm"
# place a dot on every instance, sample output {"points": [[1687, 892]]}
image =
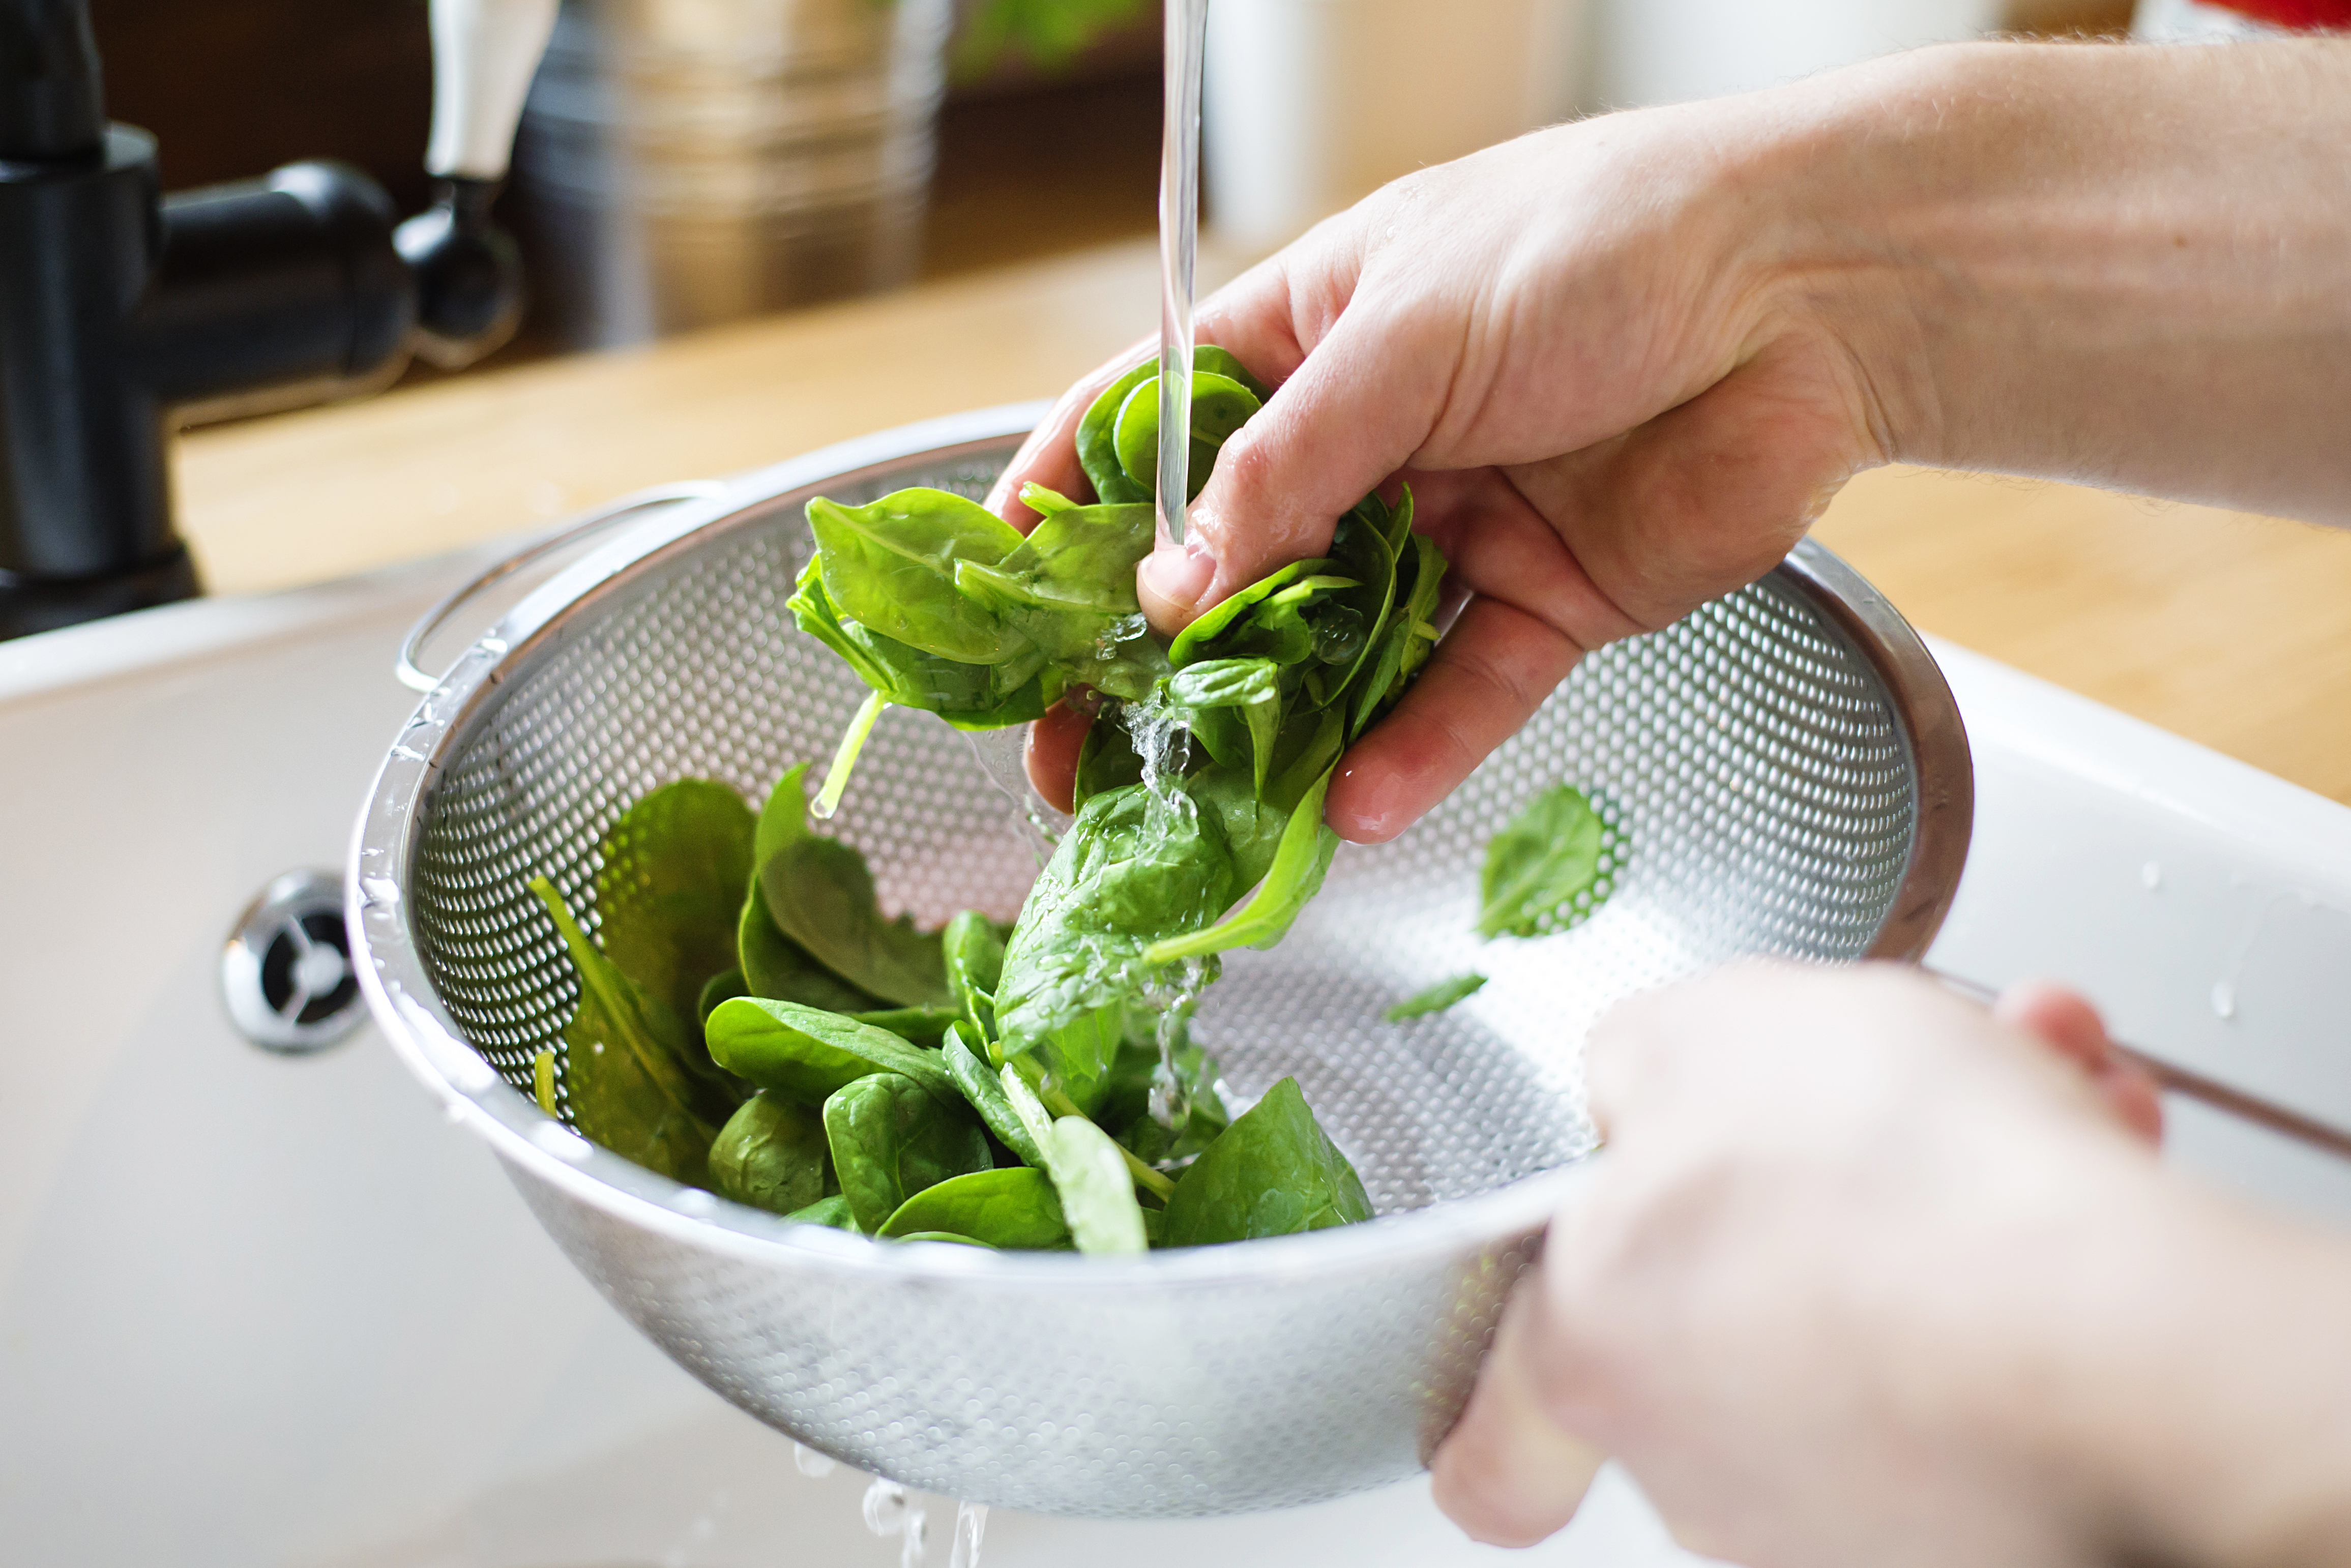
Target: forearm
{"points": [[2124, 265]]}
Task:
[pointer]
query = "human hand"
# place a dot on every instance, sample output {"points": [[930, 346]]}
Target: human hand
{"points": [[1626, 363], [1570, 348], [1845, 1232]]}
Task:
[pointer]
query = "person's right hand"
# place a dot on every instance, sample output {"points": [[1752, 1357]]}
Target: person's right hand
{"points": [[1624, 363], [1575, 348]]}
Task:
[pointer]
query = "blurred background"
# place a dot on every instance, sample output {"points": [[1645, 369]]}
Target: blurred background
{"points": [[686, 163]]}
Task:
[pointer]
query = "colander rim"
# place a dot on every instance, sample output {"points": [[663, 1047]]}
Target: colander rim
{"points": [[427, 1040]]}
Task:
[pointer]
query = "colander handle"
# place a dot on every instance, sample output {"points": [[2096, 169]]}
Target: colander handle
{"points": [[411, 675]]}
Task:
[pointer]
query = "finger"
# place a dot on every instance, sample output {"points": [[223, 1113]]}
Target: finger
{"points": [[1052, 755], [1357, 408], [2057, 1016], [1507, 1474], [2065, 1020], [1489, 674]]}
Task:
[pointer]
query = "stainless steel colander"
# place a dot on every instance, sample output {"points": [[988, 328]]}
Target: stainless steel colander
{"points": [[1787, 774]]}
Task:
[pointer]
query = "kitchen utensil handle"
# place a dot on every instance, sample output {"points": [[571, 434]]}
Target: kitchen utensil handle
{"points": [[485, 53], [411, 675], [2320, 1135]]}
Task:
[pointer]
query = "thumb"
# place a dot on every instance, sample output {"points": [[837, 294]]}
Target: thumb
{"points": [[1352, 415]]}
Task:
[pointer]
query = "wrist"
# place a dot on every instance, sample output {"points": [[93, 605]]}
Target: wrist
{"points": [[2119, 265]]}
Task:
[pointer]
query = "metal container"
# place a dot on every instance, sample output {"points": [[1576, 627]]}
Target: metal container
{"points": [[1785, 769], [684, 163]]}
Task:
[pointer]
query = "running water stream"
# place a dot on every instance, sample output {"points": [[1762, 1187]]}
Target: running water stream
{"points": [[1179, 244], [1163, 747]]}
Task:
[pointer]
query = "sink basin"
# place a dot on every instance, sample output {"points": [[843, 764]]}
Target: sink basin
{"points": [[261, 1310]]}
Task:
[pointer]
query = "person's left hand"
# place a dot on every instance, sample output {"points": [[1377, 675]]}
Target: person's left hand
{"points": [[1821, 1292]]}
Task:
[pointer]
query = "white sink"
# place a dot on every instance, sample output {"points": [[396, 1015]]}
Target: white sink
{"points": [[260, 1311]]}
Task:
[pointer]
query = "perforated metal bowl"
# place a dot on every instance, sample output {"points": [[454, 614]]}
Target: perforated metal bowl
{"points": [[1785, 766]]}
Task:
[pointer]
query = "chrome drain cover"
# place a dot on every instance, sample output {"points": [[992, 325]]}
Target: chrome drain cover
{"points": [[286, 975]]}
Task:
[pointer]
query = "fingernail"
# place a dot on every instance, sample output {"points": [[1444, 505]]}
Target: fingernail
{"points": [[1177, 576]]}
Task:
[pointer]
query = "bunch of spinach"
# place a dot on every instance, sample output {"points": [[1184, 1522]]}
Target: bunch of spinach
{"points": [[753, 1023], [1203, 778], [1035, 1087]]}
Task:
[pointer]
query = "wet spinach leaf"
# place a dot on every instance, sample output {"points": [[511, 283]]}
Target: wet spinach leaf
{"points": [[805, 1053], [1127, 873], [1296, 876], [1543, 871], [771, 1154], [1436, 998], [624, 1076], [891, 1138], [1014, 1208], [919, 1026], [1273, 1173]]}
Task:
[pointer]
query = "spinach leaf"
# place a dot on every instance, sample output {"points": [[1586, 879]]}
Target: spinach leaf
{"points": [[821, 895], [971, 696], [770, 1155], [1295, 876], [1273, 1173], [1220, 405], [831, 1211], [624, 1078], [891, 565], [918, 1026], [778, 968], [973, 949], [720, 988], [1234, 706], [1013, 1208], [807, 1054], [1127, 873], [985, 1092], [1090, 1172], [1543, 870], [1098, 431], [948, 1236], [671, 885], [542, 1082], [1436, 998], [891, 1138]]}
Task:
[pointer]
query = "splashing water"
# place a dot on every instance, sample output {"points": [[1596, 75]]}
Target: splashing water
{"points": [[970, 1524], [810, 1463], [885, 1507], [917, 1534]]}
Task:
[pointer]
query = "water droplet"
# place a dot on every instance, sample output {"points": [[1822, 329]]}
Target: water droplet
{"points": [[453, 1112], [885, 1507], [2224, 999], [918, 1538], [2151, 876], [971, 1523], [808, 1462]]}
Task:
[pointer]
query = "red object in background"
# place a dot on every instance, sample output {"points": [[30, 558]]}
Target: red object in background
{"points": [[2294, 13]]}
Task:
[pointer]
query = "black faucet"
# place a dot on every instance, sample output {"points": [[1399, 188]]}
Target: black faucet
{"points": [[124, 312]]}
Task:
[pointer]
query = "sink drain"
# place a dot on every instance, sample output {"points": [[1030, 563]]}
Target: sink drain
{"points": [[286, 975]]}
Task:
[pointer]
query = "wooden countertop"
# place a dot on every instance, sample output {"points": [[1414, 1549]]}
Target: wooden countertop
{"points": [[2232, 630]]}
